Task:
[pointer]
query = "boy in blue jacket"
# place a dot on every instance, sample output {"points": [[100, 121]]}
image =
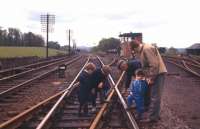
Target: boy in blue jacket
{"points": [[139, 87]]}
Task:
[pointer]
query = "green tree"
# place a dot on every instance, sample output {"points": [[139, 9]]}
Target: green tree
{"points": [[172, 51], [54, 45], [31, 39], [106, 44]]}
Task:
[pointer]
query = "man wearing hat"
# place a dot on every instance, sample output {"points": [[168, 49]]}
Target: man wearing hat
{"points": [[155, 70]]}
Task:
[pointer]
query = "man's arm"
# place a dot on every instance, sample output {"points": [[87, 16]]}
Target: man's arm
{"points": [[100, 85]]}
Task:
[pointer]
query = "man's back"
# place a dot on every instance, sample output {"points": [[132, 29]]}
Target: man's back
{"points": [[151, 60]]}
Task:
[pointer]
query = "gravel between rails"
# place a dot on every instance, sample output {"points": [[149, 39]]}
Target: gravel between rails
{"points": [[42, 90]]}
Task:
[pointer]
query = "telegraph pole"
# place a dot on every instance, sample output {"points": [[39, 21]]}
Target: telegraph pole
{"points": [[47, 52], [74, 44], [69, 37], [69, 43], [47, 20]]}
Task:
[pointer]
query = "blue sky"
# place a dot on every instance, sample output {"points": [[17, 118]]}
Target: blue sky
{"points": [[165, 22]]}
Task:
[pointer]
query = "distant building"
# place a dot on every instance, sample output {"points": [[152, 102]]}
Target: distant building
{"points": [[162, 49], [125, 38], [194, 49]]}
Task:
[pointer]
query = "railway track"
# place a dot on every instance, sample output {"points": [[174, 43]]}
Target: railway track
{"points": [[16, 70], [124, 120], [26, 96], [12, 83], [63, 113], [59, 120], [196, 58], [34, 115], [189, 65]]}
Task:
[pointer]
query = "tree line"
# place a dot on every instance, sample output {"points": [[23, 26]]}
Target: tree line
{"points": [[14, 37], [107, 44]]}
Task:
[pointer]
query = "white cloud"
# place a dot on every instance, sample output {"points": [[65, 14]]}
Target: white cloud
{"points": [[168, 23]]}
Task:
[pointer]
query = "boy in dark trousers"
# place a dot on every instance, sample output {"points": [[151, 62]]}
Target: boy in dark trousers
{"points": [[98, 79], [139, 89], [85, 88]]}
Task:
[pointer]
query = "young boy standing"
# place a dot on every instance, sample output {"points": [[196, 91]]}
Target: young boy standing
{"points": [[84, 89], [139, 88]]}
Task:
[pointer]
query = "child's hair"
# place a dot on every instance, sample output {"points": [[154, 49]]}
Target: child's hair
{"points": [[90, 66], [120, 62], [139, 72], [106, 69]]}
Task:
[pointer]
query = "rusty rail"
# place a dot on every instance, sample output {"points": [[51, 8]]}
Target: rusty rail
{"points": [[128, 113], [189, 69], [30, 65], [24, 115], [28, 71], [53, 109], [184, 67], [33, 79]]}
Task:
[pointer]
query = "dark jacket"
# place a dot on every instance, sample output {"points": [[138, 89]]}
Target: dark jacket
{"points": [[133, 65], [84, 90], [97, 77]]}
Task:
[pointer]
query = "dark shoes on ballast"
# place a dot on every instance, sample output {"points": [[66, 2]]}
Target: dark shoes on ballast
{"points": [[148, 120]]}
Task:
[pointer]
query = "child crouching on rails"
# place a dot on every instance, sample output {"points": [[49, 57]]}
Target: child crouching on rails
{"points": [[98, 79], [139, 87], [84, 89]]}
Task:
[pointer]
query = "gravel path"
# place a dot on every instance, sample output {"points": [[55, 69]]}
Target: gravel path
{"points": [[180, 101]]}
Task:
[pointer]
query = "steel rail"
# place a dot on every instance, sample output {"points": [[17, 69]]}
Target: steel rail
{"points": [[195, 57], [112, 62], [30, 65], [189, 69], [183, 67], [33, 79], [105, 105], [189, 61], [128, 113], [197, 66], [182, 58], [31, 70], [25, 114], [53, 109]]}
